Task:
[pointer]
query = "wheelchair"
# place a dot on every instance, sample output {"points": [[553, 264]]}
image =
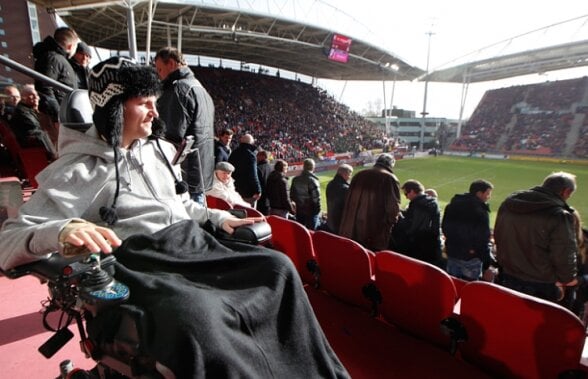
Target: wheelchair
{"points": [[81, 289]]}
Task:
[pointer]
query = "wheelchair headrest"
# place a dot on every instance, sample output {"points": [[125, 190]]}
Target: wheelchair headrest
{"points": [[76, 111]]}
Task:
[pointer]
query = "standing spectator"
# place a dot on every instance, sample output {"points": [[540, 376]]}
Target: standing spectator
{"points": [[306, 194], [336, 193], [535, 237], [223, 185], [81, 64], [222, 146], [25, 122], [277, 191], [263, 171], [466, 225], [11, 101], [418, 231], [245, 162], [51, 59], [372, 205], [187, 109]]}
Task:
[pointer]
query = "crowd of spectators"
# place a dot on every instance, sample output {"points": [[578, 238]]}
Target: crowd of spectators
{"points": [[533, 119], [290, 119]]}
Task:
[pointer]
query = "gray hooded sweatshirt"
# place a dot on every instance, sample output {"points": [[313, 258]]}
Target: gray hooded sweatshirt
{"points": [[83, 180]]}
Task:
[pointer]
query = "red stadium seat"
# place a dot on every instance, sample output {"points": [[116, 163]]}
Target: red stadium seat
{"points": [[515, 335], [416, 296], [251, 212], [294, 240], [29, 161], [346, 269], [217, 203]]}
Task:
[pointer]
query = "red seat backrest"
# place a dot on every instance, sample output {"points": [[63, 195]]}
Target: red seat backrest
{"points": [[30, 160], [294, 240], [345, 267], [416, 295], [515, 335], [217, 203], [251, 212]]}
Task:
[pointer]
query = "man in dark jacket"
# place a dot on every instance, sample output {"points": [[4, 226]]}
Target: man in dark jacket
{"points": [[536, 241], [277, 191], [245, 175], [187, 109], [25, 122], [222, 146], [336, 193], [466, 225], [418, 231], [264, 169], [306, 193], [80, 62], [51, 59]]}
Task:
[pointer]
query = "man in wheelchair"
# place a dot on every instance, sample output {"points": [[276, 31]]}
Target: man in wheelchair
{"points": [[206, 309]]}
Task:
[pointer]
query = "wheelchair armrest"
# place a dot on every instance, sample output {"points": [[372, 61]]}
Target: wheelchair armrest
{"points": [[56, 266]]}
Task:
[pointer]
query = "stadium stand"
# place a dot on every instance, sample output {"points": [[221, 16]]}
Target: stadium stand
{"points": [[538, 119], [292, 120]]}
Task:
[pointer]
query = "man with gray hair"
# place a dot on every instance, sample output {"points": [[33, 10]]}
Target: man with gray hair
{"points": [[535, 240], [336, 193], [306, 193]]}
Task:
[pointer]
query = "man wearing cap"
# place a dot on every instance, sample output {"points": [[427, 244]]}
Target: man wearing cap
{"points": [[187, 109], [213, 310], [81, 64], [373, 205], [223, 185]]}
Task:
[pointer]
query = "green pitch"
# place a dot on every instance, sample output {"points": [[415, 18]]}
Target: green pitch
{"points": [[451, 175]]}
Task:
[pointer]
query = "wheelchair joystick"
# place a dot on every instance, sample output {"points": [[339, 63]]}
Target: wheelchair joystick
{"points": [[98, 289]]}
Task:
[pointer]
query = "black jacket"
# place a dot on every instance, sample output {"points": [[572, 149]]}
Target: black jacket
{"points": [[245, 175], [418, 231], [277, 191], [187, 110], [221, 152], [306, 193], [466, 225], [336, 193], [263, 171], [81, 73], [51, 60]]}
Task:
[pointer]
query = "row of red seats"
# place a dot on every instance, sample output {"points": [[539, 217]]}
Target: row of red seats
{"points": [[507, 334]]}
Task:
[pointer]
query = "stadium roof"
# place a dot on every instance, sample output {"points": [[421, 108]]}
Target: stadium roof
{"points": [[236, 34], [533, 52]]}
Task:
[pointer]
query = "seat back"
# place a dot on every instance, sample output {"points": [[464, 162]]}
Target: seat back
{"points": [[416, 295], [11, 197], [217, 203], [251, 212], [515, 335], [76, 111], [29, 160], [346, 269], [294, 240]]}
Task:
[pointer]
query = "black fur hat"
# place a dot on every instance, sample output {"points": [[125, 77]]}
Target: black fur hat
{"points": [[111, 83]]}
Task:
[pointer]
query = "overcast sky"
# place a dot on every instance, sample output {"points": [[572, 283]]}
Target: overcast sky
{"points": [[459, 27]]}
